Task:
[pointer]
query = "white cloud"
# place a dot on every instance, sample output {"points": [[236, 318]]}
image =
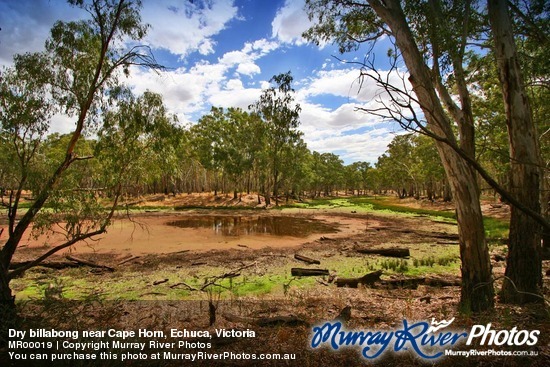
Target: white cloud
{"points": [[26, 25], [234, 84], [354, 147], [245, 58], [349, 83], [354, 135], [248, 68], [230, 98], [206, 47], [62, 124], [290, 22], [182, 27]]}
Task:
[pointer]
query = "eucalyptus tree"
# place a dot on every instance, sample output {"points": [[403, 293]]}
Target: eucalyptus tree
{"points": [[280, 115], [427, 166], [241, 146], [133, 141], [333, 172], [317, 170], [82, 61], [431, 39], [523, 265], [24, 112], [357, 176], [209, 136], [297, 170]]}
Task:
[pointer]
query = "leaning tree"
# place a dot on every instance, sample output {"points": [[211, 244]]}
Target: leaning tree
{"points": [[434, 39], [82, 61]]}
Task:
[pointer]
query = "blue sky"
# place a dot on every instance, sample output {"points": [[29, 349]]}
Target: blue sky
{"points": [[223, 54]]}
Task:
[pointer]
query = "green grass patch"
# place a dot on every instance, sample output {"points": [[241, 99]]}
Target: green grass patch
{"points": [[496, 228], [387, 204]]}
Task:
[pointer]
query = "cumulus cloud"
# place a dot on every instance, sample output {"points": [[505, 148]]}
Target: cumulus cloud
{"points": [[26, 25], [182, 27], [184, 91], [349, 83], [231, 98], [188, 92], [345, 129], [234, 84], [354, 147], [290, 22], [244, 59], [353, 135], [248, 68]]}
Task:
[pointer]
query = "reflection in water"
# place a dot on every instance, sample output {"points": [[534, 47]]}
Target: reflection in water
{"points": [[254, 225]]}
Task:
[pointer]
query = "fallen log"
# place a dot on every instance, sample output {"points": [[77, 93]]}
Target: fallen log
{"points": [[413, 283], [178, 252], [404, 283], [132, 258], [187, 286], [88, 263], [306, 259], [447, 243], [445, 236], [50, 264], [301, 272], [157, 282], [389, 252], [368, 279], [443, 282]]}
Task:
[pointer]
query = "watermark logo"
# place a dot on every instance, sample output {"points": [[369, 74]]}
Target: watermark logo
{"points": [[512, 337], [428, 340], [439, 325]]}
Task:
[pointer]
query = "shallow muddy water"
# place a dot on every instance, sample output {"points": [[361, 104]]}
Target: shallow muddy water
{"points": [[157, 234], [256, 225]]}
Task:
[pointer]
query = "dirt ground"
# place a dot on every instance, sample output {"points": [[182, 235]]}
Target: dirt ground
{"points": [[299, 308]]}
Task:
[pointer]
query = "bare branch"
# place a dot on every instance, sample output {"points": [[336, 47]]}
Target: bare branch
{"points": [[20, 270]]}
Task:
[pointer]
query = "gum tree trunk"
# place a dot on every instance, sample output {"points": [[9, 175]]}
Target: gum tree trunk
{"points": [[8, 312], [477, 283], [524, 264]]}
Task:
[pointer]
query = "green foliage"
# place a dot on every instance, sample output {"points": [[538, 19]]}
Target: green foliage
{"points": [[72, 77], [137, 141], [280, 116], [410, 167], [396, 265], [229, 142]]}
